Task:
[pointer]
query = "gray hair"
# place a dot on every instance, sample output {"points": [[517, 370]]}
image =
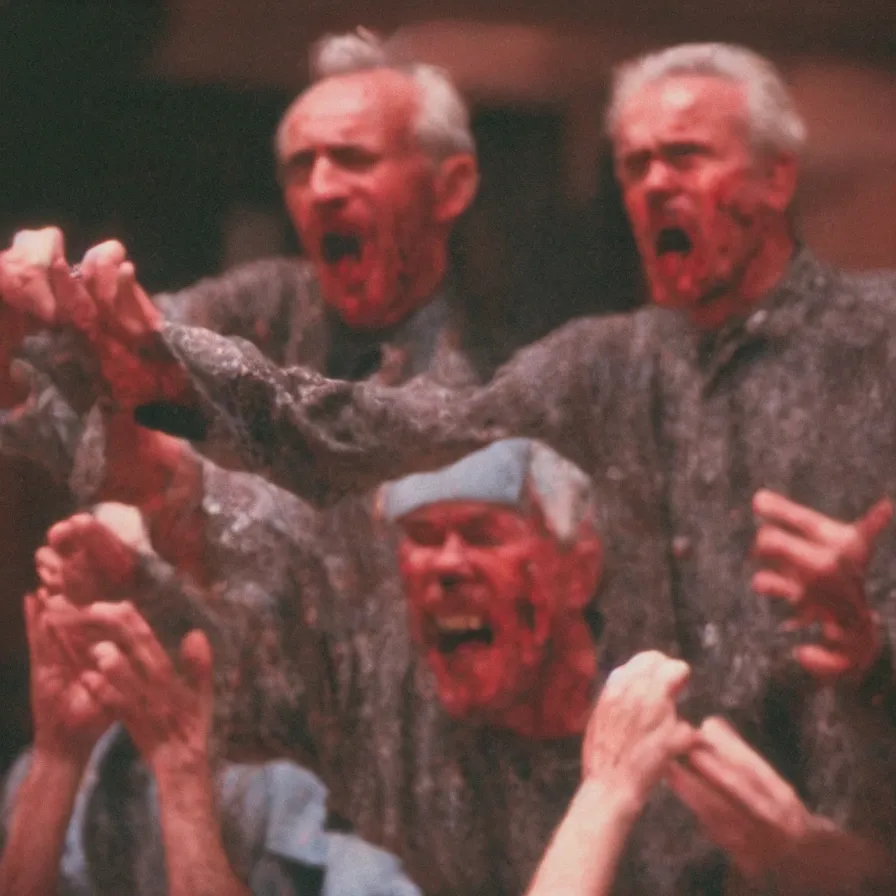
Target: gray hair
{"points": [[773, 123], [442, 125]]}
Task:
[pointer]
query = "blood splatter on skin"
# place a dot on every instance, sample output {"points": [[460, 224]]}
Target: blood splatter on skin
{"points": [[702, 202], [363, 196], [496, 603]]}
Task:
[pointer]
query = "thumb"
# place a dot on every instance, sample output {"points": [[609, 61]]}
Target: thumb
{"points": [[196, 661], [136, 311], [875, 519]]}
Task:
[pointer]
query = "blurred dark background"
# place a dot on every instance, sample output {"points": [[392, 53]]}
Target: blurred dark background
{"points": [[152, 121]]}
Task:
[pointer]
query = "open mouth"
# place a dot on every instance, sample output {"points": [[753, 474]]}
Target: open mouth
{"points": [[337, 246], [453, 632], [673, 240]]}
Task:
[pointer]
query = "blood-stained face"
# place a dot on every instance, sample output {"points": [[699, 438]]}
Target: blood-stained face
{"points": [[372, 210], [697, 196], [497, 604]]}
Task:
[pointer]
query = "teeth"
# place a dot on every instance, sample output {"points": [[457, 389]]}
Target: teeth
{"points": [[460, 623]]}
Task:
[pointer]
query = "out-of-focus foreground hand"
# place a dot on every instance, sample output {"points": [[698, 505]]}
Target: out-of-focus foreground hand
{"points": [[743, 804], [818, 565], [165, 704], [88, 559], [29, 272], [634, 730], [67, 718]]}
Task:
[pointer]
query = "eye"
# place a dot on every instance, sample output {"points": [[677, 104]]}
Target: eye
{"points": [[353, 157], [683, 155], [297, 168], [424, 534], [482, 534], [635, 165]]}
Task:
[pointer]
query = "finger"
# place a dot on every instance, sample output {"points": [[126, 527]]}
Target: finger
{"points": [[712, 809], [40, 247], [63, 536], [801, 520], [99, 268], [73, 304], [771, 583], [49, 568], [875, 520], [683, 739], [136, 310], [104, 692], [130, 631], [673, 675], [823, 663], [116, 668], [196, 661], [728, 762], [791, 553]]}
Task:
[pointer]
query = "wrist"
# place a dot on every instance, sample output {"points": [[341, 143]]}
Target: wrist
{"points": [[610, 799], [60, 767]]}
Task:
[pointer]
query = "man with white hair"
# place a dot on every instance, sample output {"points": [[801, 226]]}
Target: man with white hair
{"points": [[746, 419], [377, 162]]}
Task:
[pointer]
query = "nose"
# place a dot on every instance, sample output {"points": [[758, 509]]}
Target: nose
{"points": [[326, 183], [659, 180], [451, 564]]}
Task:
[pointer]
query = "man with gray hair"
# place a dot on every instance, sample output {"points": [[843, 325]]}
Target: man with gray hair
{"points": [[746, 419], [500, 559]]}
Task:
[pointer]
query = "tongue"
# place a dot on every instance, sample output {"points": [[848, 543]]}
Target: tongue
{"points": [[672, 265]]}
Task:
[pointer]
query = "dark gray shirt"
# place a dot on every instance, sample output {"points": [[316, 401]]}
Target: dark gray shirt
{"points": [[679, 430]]}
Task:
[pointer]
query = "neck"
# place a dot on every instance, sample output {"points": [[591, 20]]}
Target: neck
{"points": [[431, 270], [560, 703], [763, 271]]}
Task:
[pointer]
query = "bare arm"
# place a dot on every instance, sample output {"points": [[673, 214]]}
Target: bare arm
{"points": [[633, 734], [38, 822]]}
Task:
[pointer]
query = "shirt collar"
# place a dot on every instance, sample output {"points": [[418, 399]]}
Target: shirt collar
{"points": [[356, 354], [783, 310]]}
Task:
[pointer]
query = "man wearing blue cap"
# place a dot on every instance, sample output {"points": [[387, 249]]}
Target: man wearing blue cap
{"points": [[500, 560]]}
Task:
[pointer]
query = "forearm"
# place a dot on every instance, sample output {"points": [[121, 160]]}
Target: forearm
{"points": [[31, 857], [584, 853], [830, 862], [161, 476], [324, 438], [196, 863]]}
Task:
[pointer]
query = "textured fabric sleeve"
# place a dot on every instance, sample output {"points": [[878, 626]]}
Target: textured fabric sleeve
{"points": [[324, 438], [255, 301]]}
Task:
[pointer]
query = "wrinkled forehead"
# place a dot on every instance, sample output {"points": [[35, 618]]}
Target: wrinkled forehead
{"points": [[682, 106], [377, 105]]}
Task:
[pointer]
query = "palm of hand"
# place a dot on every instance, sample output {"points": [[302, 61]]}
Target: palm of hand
{"points": [[65, 712]]}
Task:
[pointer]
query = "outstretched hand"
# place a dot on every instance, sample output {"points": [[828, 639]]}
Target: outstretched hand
{"points": [[818, 565]]}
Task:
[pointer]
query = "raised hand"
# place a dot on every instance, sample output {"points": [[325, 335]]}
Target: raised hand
{"points": [[85, 560], [634, 730], [167, 708], [818, 565], [27, 281], [744, 806], [67, 718]]}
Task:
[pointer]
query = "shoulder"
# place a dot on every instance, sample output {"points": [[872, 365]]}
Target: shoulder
{"points": [[356, 868], [859, 306]]}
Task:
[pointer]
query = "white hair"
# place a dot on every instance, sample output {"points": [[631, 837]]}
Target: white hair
{"points": [[773, 123], [442, 123]]}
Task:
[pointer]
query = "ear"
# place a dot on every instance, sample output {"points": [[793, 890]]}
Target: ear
{"points": [[586, 563], [780, 176], [456, 183]]}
